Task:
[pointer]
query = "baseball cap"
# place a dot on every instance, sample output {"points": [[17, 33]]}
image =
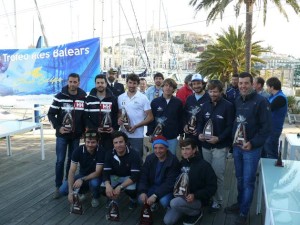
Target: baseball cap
{"points": [[197, 77], [112, 70]]}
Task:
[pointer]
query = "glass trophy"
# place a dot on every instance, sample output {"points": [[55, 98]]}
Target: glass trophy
{"points": [[181, 187], [106, 122], [208, 129], [125, 119], [192, 124], [146, 216], [113, 211], [76, 207], [159, 127], [67, 121], [240, 137]]}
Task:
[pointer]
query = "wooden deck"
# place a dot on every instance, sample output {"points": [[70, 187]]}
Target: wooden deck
{"points": [[27, 184]]}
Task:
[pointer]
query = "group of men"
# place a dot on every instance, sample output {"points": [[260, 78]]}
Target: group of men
{"points": [[211, 119]]}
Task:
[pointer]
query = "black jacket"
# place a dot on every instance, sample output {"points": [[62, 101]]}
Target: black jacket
{"points": [[63, 102], [202, 178], [118, 88]]}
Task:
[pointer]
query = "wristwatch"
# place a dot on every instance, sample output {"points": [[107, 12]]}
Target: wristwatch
{"points": [[121, 187]]}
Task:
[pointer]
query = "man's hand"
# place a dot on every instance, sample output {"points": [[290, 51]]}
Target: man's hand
{"points": [[151, 200], [109, 191], [190, 198], [70, 197], [143, 198], [117, 191], [120, 121], [109, 130], [213, 140], [132, 129], [247, 146], [64, 130], [201, 137], [78, 183]]}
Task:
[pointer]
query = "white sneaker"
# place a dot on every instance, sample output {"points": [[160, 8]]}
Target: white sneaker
{"points": [[95, 202]]}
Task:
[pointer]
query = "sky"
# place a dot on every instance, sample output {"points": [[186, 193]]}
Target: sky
{"points": [[72, 20]]}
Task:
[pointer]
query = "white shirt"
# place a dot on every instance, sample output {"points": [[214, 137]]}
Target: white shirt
{"points": [[136, 106]]}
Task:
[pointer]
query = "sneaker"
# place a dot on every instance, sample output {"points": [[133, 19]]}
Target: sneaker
{"points": [[81, 197], [95, 202], [233, 209], [240, 220], [215, 207], [56, 194], [154, 207], [132, 204], [192, 220]]}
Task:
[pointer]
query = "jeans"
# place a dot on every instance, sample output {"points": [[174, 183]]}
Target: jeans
{"points": [[93, 185], [164, 200], [180, 207], [270, 149], [245, 163], [62, 144], [137, 144], [173, 145], [217, 159]]}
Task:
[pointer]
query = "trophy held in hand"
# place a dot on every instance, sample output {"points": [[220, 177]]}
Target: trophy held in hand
{"points": [[159, 127], [125, 119], [240, 137], [146, 216], [113, 211], [67, 121], [208, 129], [76, 207], [279, 162], [106, 123], [181, 187], [192, 123]]}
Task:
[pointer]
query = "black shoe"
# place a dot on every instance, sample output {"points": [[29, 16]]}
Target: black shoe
{"points": [[214, 208], [233, 209], [192, 220], [56, 194], [240, 220], [132, 204]]}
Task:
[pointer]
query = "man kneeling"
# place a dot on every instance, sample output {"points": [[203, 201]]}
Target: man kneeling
{"points": [[90, 157], [202, 185]]}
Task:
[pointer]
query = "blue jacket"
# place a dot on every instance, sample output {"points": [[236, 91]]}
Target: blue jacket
{"points": [[278, 114], [169, 172], [118, 89], [232, 93], [173, 111], [256, 110], [151, 92], [222, 116]]}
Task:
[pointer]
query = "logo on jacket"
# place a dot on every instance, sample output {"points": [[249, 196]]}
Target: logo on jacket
{"points": [[79, 105], [207, 114], [159, 109], [220, 117]]}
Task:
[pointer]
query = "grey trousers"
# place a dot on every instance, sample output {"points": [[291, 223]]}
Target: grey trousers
{"points": [[180, 207], [217, 159]]}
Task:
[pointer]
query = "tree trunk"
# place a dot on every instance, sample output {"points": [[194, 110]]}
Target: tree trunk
{"points": [[248, 35]]}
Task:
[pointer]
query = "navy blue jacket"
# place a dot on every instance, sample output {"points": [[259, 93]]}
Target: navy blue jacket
{"points": [[202, 178], [256, 110], [232, 93], [118, 89], [278, 110], [169, 172], [173, 111], [63, 102]]}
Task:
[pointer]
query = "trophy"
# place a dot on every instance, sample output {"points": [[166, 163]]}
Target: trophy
{"points": [[181, 187], [113, 211], [279, 160], [193, 120], [146, 216], [125, 119], [105, 109], [208, 129], [240, 137], [67, 121], [159, 127], [76, 207]]}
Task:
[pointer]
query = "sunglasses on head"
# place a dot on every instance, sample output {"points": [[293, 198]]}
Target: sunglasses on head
{"points": [[90, 135]]}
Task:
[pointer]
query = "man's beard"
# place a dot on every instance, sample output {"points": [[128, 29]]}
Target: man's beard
{"points": [[111, 79]]}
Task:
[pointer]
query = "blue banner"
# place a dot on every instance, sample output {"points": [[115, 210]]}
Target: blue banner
{"points": [[46, 70]]}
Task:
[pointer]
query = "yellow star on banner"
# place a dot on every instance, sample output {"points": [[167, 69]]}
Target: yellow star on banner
{"points": [[36, 72]]}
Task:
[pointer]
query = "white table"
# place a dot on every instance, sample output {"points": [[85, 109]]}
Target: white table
{"points": [[11, 127], [281, 217], [281, 188], [294, 142]]}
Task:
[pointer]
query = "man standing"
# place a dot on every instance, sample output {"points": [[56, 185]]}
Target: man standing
{"points": [[214, 146], [143, 85], [232, 91], [171, 108], [250, 131], [158, 175], [101, 111], [258, 85], [186, 90], [137, 107], [193, 103], [66, 116], [121, 169], [90, 157], [202, 184], [278, 103], [116, 87], [156, 90]]}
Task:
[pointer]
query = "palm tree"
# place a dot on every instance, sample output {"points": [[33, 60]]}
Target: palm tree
{"points": [[218, 7], [226, 56]]}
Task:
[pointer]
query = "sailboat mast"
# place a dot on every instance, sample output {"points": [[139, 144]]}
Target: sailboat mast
{"points": [[16, 32]]}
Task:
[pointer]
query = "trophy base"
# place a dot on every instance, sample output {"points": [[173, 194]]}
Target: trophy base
{"points": [[112, 217], [278, 164], [105, 128], [76, 210], [207, 137], [191, 129]]}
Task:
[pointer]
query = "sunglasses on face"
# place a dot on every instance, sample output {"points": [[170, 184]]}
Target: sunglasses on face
{"points": [[90, 135]]}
